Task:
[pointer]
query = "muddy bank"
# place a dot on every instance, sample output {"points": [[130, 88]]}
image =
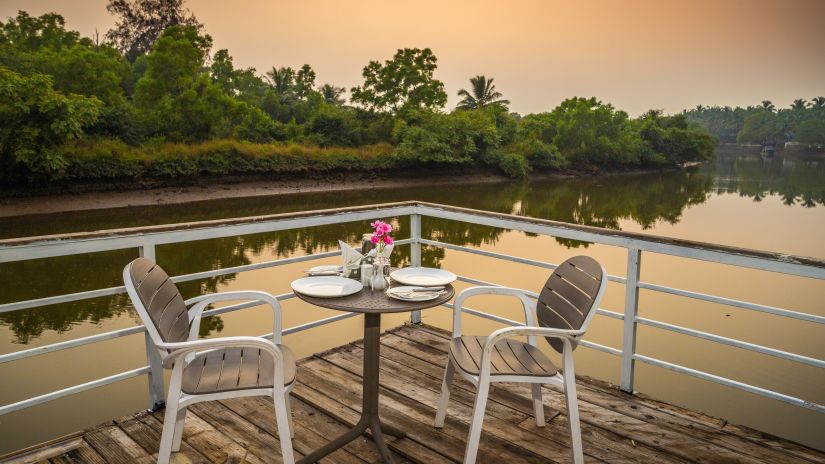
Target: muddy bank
{"points": [[53, 203]]}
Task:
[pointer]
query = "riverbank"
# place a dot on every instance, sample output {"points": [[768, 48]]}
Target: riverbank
{"points": [[57, 203]]}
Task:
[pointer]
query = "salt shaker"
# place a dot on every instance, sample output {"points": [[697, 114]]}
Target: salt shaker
{"points": [[366, 274]]}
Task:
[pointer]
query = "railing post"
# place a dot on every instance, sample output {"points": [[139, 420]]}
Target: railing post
{"points": [[156, 398], [415, 255], [631, 306]]}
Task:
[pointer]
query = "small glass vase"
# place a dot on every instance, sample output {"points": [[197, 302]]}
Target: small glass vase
{"points": [[380, 273]]}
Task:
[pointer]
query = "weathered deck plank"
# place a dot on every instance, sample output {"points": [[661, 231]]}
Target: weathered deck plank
{"points": [[703, 431], [616, 427]]}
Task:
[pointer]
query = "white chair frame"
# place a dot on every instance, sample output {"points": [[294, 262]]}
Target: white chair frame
{"points": [[177, 355], [565, 379]]}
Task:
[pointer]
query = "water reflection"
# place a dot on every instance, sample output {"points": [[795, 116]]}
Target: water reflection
{"points": [[797, 182], [645, 199]]}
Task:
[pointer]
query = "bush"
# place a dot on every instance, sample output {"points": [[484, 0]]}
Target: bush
{"points": [[103, 159], [540, 155], [113, 159], [514, 165]]}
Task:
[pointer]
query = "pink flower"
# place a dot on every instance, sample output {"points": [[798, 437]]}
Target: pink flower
{"points": [[374, 239], [387, 240]]}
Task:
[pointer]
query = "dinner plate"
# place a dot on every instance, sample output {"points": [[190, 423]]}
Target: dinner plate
{"points": [[423, 276], [326, 286], [415, 293]]}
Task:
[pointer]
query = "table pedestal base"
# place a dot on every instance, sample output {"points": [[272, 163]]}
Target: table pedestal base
{"points": [[369, 411]]}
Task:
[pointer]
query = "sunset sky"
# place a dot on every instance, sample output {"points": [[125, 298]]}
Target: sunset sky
{"points": [[635, 54]]}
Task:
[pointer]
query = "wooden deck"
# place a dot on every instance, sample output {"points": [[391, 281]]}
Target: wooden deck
{"points": [[617, 427]]}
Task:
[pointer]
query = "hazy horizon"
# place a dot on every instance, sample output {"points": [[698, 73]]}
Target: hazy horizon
{"points": [[637, 55]]}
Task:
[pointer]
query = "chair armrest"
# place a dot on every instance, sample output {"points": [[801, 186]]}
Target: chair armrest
{"points": [[523, 295], [182, 349], [568, 338], [509, 332], [202, 302]]}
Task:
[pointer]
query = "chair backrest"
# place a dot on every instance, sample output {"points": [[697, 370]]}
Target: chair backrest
{"points": [[570, 296], [157, 300]]}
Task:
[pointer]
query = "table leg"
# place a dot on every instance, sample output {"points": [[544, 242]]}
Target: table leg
{"points": [[369, 411]]}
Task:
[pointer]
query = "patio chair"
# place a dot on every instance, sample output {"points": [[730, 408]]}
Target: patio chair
{"points": [[565, 307], [210, 369]]}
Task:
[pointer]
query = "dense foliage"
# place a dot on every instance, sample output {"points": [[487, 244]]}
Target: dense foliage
{"points": [[156, 102], [802, 122]]}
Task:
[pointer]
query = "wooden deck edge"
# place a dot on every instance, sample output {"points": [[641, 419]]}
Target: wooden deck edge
{"points": [[45, 450]]}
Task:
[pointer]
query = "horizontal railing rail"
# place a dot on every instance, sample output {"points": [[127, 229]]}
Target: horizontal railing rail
{"points": [[146, 238]]}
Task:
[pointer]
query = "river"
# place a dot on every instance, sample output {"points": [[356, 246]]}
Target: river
{"points": [[773, 205]]}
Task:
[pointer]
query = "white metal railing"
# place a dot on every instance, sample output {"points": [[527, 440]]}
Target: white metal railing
{"points": [[146, 238]]}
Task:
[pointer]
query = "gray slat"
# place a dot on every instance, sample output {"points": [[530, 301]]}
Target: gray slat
{"points": [[567, 298], [509, 357], [162, 300], [232, 369]]}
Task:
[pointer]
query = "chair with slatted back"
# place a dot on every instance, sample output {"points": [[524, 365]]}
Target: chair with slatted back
{"points": [[209, 369], [562, 313]]}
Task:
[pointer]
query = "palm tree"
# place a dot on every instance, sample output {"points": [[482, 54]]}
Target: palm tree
{"points": [[482, 94], [767, 105], [281, 79], [818, 102], [799, 104], [332, 94]]}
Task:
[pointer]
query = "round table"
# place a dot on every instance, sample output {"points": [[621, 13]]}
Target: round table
{"points": [[373, 305]]}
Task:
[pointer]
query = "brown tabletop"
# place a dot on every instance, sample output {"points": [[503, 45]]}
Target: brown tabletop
{"points": [[373, 304], [377, 302]]}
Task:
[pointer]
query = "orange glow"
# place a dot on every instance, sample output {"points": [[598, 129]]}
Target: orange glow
{"points": [[637, 54]]}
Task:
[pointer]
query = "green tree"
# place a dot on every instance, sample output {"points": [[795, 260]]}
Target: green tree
{"points": [[767, 105], [818, 103], [77, 65], [799, 104], [177, 98], [332, 125], [332, 94], [281, 79], [591, 132], [404, 81], [811, 131], [761, 127], [141, 22], [482, 94], [425, 136], [304, 82], [242, 84], [671, 140], [35, 119]]}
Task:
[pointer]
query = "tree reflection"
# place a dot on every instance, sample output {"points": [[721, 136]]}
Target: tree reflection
{"points": [[605, 201]]}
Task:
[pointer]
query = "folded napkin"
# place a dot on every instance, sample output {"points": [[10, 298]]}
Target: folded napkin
{"points": [[386, 253], [352, 258]]}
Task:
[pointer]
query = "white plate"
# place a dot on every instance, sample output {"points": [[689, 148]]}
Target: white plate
{"points": [[326, 286], [423, 276], [396, 291]]}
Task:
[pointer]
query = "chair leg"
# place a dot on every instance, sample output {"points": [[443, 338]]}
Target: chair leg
{"points": [[284, 433], [168, 435], [180, 418], [289, 415], [475, 425], [573, 417], [446, 386], [538, 404]]}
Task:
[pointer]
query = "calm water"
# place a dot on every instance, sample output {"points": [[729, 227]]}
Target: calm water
{"points": [[747, 202]]}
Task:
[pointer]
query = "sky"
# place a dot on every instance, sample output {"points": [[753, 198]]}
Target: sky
{"points": [[635, 54]]}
